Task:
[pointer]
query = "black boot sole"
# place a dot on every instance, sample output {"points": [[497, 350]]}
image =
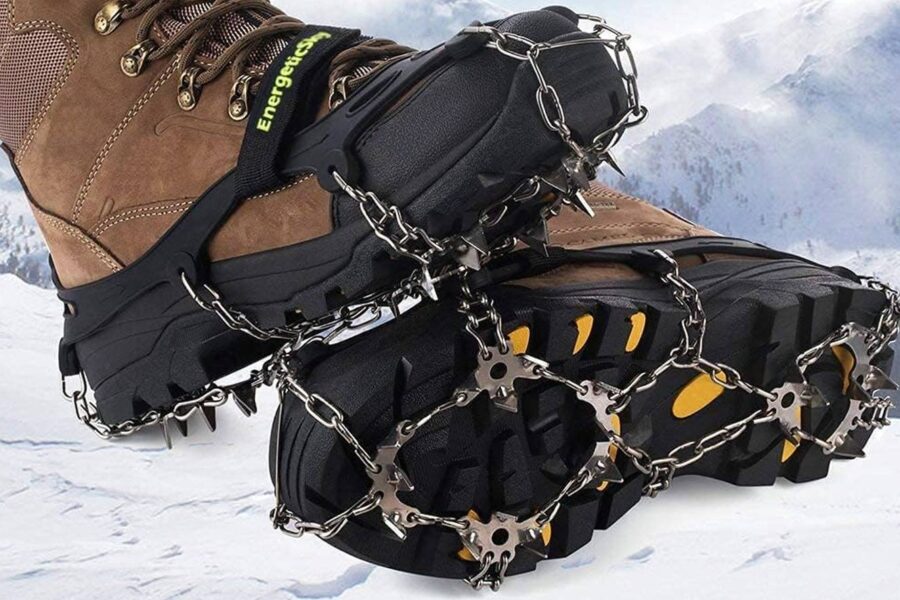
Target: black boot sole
{"points": [[761, 316], [144, 344]]}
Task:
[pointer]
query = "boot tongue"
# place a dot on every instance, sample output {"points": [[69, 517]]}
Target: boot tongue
{"points": [[226, 31]]}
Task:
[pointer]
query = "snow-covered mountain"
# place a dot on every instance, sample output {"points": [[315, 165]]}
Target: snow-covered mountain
{"points": [[810, 156], [83, 519], [735, 62], [22, 250], [417, 23]]}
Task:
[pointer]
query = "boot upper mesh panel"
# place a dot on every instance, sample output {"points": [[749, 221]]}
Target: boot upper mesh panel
{"points": [[4, 23], [228, 30], [32, 63]]}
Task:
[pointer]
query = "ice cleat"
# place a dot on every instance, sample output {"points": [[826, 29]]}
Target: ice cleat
{"points": [[212, 176], [494, 432]]}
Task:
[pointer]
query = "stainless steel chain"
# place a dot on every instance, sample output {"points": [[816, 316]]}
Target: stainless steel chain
{"points": [[580, 167], [582, 164], [413, 242], [204, 403], [483, 324]]}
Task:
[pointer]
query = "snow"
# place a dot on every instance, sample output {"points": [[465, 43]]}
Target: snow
{"points": [[81, 518]]}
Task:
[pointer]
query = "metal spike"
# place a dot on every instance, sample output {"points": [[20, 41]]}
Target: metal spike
{"points": [[209, 417], [507, 400], [850, 449], [578, 173], [582, 204], [613, 163], [537, 238], [427, 284], [879, 380], [603, 470], [400, 480], [182, 427], [478, 240], [245, 400], [469, 257], [815, 398], [167, 435], [535, 551], [557, 181], [393, 526]]}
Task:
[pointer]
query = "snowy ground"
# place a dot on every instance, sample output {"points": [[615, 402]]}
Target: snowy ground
{"points": [[84, 519]]}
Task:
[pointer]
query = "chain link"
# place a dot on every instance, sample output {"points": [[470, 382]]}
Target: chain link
{"points": [[413, 242], [86, 411]]}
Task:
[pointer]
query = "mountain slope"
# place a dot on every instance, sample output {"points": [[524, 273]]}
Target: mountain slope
{"points": [[816, 161], [735, 62], [22, 250]]}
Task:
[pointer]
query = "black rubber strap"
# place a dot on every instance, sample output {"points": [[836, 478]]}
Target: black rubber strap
{"points": [[287, 101]]}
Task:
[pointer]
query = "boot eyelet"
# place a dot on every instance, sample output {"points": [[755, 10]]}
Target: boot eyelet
{"points": [[135, 59], [188, 89], [109, 17], [239, 104]]}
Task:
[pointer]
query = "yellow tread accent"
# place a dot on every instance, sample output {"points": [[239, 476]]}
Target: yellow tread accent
{"points": [[790, 446], [547, 534], [638, 325], [613, 451], [848, 363], [520, 338], [789, 449], [585, 325], [702, 391]]}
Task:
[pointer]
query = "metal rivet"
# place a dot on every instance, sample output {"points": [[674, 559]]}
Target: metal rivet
{"points": [[109, 17], [134, 60]]}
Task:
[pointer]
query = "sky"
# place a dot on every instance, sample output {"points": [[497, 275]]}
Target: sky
{"points": [[653, 21], [650, 21]]}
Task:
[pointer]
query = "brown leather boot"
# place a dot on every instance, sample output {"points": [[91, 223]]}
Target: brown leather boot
{"points": [[168, 145], [639, 348]]}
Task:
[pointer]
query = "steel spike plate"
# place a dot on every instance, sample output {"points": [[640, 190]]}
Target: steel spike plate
{"points": [[538, 238], [498, 374], [391, 480], [790, 397]]}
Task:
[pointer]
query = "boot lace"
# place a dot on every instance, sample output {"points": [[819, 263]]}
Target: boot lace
{"points": [[268, 27]]}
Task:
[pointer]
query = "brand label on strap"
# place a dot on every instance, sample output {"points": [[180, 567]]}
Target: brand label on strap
{"points": [[288, 101], [284, 80]]}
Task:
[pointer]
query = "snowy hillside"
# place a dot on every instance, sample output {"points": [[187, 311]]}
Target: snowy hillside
{"points": [[735, 62], [22, 250], [418, 23], [83, 519], [809, 156]]}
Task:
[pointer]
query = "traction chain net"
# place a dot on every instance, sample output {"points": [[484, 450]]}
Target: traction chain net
{"points": [[439, 260]]}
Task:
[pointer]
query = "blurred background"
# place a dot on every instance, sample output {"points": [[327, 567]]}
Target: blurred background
{"points": [[776, 120]]}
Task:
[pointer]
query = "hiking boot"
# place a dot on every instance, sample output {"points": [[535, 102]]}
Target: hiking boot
{"points": [[177, 150], [641, 347]]}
